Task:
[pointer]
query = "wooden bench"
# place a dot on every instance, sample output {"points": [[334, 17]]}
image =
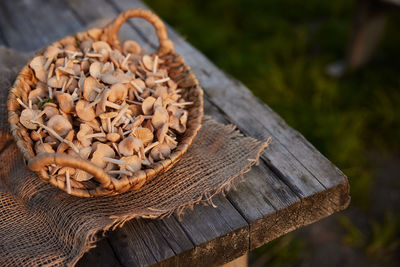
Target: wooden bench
{"points": [[294, 184]]}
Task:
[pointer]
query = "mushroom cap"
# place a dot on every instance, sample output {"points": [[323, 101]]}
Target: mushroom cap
{"points": [[113, 137], [133, 162], [160, 152], [147, 105], [86, 45], [116, 77], [95, 33], [100, 45], [102, 150], [63, 146], [82, 176], [135, 110], [35, 136], [85, 65], [102, 48], [118, 91], [43, 148], [37, 92], [52, 51], [83, 112], [37, 64], [161, 91], [150, 81], [129, 145], [102, 105], [108, 115], [84, 130], [57, 83], [59, 124], [139, 83], [160, 117], [65, 101], [147, 62], [131, 47], [88, 88], [178, 120], [95, 69], [27, 115], [144, 134], [50, 111], [162, 132], [171, 142]]}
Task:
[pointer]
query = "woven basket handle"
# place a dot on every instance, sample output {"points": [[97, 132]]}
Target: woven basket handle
{"points": [[111, 31], [38, 163]]}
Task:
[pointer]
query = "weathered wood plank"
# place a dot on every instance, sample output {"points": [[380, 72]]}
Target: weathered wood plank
{"points": [[270, 207], [27, 27], [219, 234], [101, 256], [130, 248]]}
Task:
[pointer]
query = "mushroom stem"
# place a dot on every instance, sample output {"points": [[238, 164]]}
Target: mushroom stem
{"points": [[130, 117], [120, 114], [138, 96], [129, 168], [96, 135], [151, 146], [96, 101], [51, 131], [162, 80], [51, 70], [22, 103], [148, 116], [116, 149], [137, 87], [50, 92], [126, 132], [39, 115], [126, 59], [30, 103], [181, 103], [88, 54], [73, 52], [98, 90], [133, 102], [112, 105], [155, 64], [67, 182], [115, 161], [109, 125]]}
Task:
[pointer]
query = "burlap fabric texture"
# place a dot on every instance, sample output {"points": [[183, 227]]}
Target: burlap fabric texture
{"points": [[42, 225]]}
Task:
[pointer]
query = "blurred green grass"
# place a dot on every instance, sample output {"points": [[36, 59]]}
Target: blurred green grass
{"points": [[280, 50]]}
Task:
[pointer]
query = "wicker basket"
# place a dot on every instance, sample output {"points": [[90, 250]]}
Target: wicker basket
{"points": [[102, 183]]}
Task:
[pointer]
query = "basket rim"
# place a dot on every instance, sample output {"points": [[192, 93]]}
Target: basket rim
{"points": [[116, 186]]}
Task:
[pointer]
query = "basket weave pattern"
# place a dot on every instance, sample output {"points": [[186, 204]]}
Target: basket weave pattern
{"points": [[102, 183]]}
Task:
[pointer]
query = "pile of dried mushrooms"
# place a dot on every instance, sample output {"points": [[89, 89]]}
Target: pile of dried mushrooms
{"points": [[117, 109]]}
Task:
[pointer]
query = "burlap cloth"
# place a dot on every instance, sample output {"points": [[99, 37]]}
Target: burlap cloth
{"points": [[42, 225]]}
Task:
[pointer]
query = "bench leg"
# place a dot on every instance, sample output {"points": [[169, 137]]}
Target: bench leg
{"points": [[368, 27], [242, 261]]}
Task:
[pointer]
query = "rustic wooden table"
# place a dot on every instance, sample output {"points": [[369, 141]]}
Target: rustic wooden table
{"points": [[293, 186]]}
